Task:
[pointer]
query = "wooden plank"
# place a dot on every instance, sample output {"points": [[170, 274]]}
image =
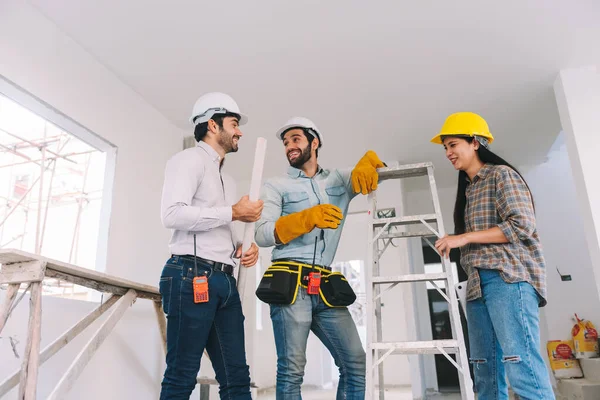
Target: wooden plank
{"points": [[23, 272], [9, 256], [25, 362], [61, 342], [162, 324], [34, 354], [11, 294], [101, 287], [30, 366], [82, 359]]}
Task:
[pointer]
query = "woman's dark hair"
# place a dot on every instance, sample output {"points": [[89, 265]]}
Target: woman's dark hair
{"points": [[486, 156], [202, 129]]}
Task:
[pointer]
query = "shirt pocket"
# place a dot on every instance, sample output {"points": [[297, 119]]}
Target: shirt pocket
{"points": [[336, 195], [294, 202]]}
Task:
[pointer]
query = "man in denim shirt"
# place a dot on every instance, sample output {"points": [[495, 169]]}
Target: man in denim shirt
{"points": [[302, 217]]}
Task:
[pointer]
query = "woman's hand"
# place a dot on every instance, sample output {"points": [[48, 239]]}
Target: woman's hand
{"points": [[449, 242]]}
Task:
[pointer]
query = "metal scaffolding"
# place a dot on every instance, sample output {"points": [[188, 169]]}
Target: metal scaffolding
{"points": [[30, 190]]}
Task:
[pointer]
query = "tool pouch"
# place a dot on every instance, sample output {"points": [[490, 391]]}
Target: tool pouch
{"points": [[336, 291], [279, 285]]}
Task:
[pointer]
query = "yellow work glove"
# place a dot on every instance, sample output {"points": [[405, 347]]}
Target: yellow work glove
{"points": [[364, 175], [297, 224]]}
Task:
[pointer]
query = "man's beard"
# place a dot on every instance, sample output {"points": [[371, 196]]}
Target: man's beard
{"points": [[226, 141], [301, 159]]}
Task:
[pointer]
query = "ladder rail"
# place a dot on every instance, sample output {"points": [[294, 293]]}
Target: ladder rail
{"points": [[379, 328], [369, 296]]}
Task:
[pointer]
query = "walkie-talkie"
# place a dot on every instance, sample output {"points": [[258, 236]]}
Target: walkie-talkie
{"points": [[200, 283], [201, 289]]}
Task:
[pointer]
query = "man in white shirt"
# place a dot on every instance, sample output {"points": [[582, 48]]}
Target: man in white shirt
{"points": [[199, 293]]}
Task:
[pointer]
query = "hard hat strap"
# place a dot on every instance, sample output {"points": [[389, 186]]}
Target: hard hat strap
{"points": [[483, 141]]}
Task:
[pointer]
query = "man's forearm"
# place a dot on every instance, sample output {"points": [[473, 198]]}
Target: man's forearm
{"points": [[188, 218]]}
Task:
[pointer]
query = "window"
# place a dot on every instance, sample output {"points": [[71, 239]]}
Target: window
{"points": [[55, 182]]}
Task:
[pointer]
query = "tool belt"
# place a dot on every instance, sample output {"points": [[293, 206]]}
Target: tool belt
{"points": [[282, 280]]}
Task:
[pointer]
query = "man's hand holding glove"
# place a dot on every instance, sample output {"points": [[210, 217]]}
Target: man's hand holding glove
{"points": [[322, 216], [364, 175]]}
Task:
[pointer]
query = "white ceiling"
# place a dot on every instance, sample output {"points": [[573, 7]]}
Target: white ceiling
{"points": [[382, 75]]}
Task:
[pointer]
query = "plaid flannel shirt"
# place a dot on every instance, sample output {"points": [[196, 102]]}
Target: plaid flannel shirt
{"points": [[498, 196]]}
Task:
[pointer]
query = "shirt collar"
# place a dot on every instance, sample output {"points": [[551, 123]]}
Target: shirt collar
{"points": [[297, 173], [214, 156], [482, 173]]}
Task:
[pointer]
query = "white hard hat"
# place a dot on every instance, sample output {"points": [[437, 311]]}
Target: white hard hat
{"points": [[300, 122], [215, 103]]}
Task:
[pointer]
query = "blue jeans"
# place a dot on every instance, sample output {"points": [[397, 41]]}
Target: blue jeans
{"points": [[504, 338], [217, 326], [334, 327]]}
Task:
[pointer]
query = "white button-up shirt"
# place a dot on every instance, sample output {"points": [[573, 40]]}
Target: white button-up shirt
{"points": [[197, 198]]}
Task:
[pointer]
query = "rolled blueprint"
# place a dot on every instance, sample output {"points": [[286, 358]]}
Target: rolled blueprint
{"points": [[257, 171]]}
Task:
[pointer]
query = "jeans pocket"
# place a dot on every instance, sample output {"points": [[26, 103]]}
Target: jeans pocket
{"points": [[164, 288]]}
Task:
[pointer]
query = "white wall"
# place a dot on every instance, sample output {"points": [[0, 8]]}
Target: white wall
{"points": [[560, 225], [37, 56], [577, 94]]}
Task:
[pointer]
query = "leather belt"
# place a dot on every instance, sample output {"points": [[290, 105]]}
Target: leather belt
{"points": [[217, 266]]}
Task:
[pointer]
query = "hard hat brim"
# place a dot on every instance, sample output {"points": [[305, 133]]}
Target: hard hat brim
{"points": [[243, 118], [284, 129], [438, 139]]}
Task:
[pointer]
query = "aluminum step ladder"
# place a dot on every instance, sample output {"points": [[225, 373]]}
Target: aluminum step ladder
{"points": [[380, 233]]}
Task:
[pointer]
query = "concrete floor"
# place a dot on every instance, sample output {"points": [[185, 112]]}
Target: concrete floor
{"points": [[399, 393]]}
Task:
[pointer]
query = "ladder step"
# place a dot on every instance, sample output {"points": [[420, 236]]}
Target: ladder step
{"points": [[400, 235], [438, 276], [404, 171], [450, 346], [408, 220]]}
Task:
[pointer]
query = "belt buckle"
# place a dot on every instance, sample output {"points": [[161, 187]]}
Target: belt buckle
{"points": [[221, 266]]}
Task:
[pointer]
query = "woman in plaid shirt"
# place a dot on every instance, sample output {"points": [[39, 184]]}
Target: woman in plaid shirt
{"points": [[500, 251]]}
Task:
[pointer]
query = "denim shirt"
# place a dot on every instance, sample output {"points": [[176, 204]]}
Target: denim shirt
{"points": [[297, 192]]}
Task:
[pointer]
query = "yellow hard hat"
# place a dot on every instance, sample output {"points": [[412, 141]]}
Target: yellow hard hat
{"points": [[464, 124]]}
